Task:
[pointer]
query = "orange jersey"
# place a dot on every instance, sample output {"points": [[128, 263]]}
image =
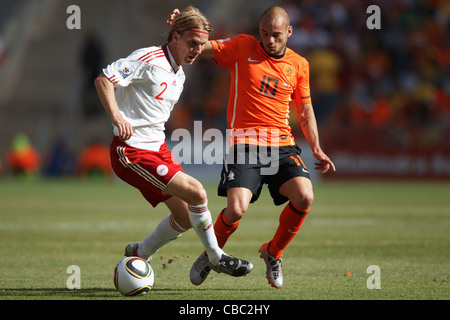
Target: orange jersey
{"points": [[260, 90]]}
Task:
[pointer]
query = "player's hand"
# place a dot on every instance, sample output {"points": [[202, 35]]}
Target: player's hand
{"points": [[324, 163], [171, 17], [125, 128]]}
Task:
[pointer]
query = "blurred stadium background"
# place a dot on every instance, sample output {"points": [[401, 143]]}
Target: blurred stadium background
{"points": [[382, 96]]}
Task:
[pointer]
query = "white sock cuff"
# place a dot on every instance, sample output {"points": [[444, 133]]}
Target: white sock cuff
{"points": [[175, 226], [198, 208]]}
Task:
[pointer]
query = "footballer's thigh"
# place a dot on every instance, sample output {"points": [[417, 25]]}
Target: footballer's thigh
{"points": [[299, 191], [179, 210]]}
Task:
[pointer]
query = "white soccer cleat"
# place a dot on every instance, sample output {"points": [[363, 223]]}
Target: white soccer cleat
{"points": [[200, 269], [274, 273]]}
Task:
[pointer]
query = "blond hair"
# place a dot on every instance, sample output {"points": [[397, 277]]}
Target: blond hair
{"points": [[188, 19]]}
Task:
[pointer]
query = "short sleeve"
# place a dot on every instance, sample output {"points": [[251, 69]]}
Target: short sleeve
{"points": [[226, 51], [302, 91], [125, 71]]}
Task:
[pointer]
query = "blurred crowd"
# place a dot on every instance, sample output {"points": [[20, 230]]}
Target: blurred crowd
{"points": [[385, 89], [23, 160], [389, 85]]}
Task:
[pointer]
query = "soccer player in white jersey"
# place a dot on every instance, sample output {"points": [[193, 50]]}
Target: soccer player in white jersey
{"points": [[139, 92]]}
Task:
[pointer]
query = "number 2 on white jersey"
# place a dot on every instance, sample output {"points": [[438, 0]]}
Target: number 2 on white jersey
{"points": [[158, 97]]}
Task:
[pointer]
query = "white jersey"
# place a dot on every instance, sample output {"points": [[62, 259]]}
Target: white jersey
{"points": [[148, 84]]}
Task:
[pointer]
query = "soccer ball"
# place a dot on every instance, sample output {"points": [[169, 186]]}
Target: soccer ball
{"points": [[133, 276]]}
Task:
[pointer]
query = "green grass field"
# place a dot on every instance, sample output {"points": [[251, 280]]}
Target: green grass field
{"points": [[401, 227]]}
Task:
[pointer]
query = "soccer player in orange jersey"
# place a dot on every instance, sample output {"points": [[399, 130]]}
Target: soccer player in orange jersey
{"points": [[267, 79]]}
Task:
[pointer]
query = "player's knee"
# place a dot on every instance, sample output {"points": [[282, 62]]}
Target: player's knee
{"points": [[303, 200], [198, 195], [236, 211], [193, 192]]}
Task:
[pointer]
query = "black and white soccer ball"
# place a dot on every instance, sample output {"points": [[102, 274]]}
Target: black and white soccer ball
{"points": [[133, 276]]}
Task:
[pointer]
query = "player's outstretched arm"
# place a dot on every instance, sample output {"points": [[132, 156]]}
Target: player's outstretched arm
{"points": [[105, 91], [309, 128]]}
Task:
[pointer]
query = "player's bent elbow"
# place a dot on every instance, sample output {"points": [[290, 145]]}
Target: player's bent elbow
{"points": [[100, 80]]}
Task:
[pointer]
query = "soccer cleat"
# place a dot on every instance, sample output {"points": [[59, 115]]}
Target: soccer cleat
{"points": [[228, 264], [131, 251], [273, 272], [200, 269], [233, 266]]}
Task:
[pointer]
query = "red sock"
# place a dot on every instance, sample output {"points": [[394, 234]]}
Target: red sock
{"points": [[224, 229], [291, 220]]}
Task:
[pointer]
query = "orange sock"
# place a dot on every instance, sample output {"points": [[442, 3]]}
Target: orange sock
{"points": [[224, 229], [291, 220]]}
